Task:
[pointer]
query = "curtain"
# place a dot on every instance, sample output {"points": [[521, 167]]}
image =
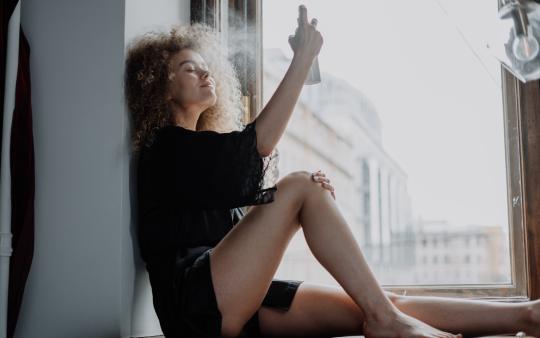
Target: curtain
{"points": [[17, 149]]}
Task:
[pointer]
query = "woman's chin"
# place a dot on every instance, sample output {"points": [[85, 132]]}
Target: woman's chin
{"points": [[211, 100], [209, 105]]}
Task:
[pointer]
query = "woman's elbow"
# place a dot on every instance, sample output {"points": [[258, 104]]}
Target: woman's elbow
{"points": [[264, 145], [264, 152]]}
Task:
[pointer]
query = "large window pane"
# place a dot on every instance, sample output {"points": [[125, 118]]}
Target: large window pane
{"points": [[408, 125]]}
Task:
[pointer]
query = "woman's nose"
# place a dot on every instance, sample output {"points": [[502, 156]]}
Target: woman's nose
{"points": [[204, 74]]}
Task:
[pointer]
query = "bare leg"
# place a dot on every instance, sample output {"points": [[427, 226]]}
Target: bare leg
{"points": [[246, 259], [330, 239], [473, 317], [316, 310], [328, 310]]}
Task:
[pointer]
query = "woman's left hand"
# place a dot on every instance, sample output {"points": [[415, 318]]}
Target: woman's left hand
{"points": [[320, 177]]}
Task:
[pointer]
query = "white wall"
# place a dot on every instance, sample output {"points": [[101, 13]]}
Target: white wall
{"points": [[142, 16], [86, 278], [145, 15]]}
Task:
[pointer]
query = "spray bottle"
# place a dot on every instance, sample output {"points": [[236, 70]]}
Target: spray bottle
{"points": [[314, 75]]}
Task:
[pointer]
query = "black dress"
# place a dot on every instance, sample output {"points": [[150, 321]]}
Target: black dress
{"points": [[191, 186]]}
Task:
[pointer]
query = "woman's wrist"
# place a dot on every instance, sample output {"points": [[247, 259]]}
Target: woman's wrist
{"points": [[303, 58]]}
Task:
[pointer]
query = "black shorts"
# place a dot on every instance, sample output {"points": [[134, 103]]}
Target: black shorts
{"points": [[196, 302]]}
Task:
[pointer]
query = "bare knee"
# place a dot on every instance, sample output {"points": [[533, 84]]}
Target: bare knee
{"points": [[303, 182], [299, 176], [298, 185]]}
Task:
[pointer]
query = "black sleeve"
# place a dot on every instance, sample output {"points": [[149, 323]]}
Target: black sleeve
{"points": [[214, 170]]}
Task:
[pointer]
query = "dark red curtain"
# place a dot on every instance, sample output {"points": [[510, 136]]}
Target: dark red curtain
{"points": [[21, 170]]}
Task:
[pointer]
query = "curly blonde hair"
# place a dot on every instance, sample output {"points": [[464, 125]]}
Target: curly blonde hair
{"points": [[147, 75]]}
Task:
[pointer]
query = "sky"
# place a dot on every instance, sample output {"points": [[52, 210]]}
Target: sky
{"points": [[436, 88]]}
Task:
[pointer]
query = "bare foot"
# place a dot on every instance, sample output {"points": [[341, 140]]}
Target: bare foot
{"points": [[401, 325], [531, 319]]}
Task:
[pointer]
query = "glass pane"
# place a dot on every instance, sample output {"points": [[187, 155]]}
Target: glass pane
{"points": [[408, 125]]}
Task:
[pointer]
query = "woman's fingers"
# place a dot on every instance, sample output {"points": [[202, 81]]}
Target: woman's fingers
{"points": [[302, 15], [322, 179], [292, 42], [306, 37], [302, 22], [330, 188], [325, 182], [319, 173], [316, 175], [327, 186]]}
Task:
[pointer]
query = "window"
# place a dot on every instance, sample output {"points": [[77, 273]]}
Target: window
{"points": [[364, 190], [437, 167], [504, 109]]}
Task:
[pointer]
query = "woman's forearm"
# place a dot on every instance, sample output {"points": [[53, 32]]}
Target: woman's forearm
{"points": [[273, 118]]}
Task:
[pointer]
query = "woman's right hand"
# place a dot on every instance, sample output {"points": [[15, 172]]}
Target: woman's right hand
{"points": [[307, 41], [273, 118]]}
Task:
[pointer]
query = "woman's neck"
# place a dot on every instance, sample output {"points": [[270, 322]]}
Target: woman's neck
{"points": [[187, 121]]}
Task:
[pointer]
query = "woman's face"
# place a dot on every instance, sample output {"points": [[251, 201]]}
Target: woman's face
{"points": [[190, 85]]}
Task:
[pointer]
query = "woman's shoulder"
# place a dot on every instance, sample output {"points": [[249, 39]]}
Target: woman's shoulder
{"points": [[172, 137], [210, 141], [160, 136], [168, 132], [175, 130], [169, 129]]}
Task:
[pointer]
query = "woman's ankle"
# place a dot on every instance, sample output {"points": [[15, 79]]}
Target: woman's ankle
{"points": [[383, 313]]}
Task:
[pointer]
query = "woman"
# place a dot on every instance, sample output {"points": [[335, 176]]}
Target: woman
{"points": [[211, 266]]}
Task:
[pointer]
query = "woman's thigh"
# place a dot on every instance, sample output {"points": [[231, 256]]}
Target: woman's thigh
{"points": [[316, 310], [246, 259]]}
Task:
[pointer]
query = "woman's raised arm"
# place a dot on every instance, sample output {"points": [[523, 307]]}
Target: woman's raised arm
{"points": [[273, 118]]}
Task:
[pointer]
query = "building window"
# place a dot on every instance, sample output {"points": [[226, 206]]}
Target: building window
{"points": [[366, 198]]}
